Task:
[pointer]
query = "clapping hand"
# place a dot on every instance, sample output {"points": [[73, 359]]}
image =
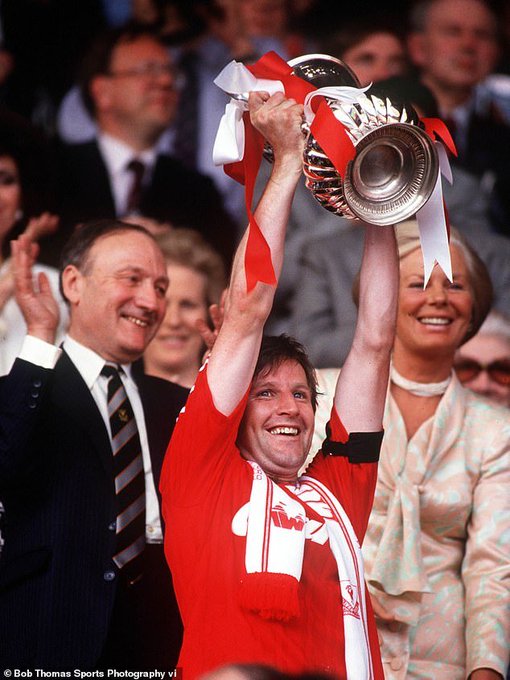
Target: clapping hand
{"points": [[37, 227], [35, 299]]}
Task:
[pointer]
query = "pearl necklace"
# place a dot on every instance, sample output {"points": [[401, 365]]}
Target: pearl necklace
{"points": [[417, 388]]}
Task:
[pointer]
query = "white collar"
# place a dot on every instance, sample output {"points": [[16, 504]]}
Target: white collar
{"points": [[88, 362], [417, 388], [117, 154]]}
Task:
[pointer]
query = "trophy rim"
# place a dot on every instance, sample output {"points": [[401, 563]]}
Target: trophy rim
{"points": [[401, 205]]}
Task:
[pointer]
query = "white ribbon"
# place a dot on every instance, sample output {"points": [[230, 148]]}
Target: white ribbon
{"points": [[341, 94], [236, 79], [432, 223]]}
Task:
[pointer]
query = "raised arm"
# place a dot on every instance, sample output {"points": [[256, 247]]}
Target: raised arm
{"points": [[235, 352], [361, 388]]}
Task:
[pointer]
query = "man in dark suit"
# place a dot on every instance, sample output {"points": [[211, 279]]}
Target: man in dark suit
{"points": [[131, 87], [77, 590], [454, 45]]}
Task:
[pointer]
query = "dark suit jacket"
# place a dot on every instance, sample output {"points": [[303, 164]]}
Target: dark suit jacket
{"points": [[488, 142], [56, 481], [183, 197]]}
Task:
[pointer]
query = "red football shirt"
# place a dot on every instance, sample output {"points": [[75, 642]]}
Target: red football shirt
{"points": [[204, 484]]}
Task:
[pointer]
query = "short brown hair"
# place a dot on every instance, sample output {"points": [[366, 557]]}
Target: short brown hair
{"points": [[276, 349]]}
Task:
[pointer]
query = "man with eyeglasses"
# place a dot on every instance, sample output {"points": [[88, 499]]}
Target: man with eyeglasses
{"points": [[131, 87]]}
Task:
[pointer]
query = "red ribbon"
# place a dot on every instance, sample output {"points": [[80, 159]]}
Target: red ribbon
{"points": [[272, 67], [435, 128], [328, 131], [333, 138], [258, 262]]}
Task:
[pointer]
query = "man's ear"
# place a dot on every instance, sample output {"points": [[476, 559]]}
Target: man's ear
{"points": [[72, 284], [416, 49], [100, 90]]}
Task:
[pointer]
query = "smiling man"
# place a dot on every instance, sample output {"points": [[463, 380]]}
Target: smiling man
{"points": [[83, 437], [266, 564]]}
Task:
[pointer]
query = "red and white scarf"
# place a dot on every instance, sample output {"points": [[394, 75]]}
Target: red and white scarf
{"points": [[274, 558]]}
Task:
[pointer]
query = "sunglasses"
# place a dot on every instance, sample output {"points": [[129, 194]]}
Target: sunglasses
{"points": [[468, 369]]}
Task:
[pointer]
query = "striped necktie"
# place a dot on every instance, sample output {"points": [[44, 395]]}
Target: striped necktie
{"points": [[129, 475]]}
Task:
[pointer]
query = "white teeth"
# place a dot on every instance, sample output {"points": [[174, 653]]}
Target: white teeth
{"points": [[284, 430], [137, 322], [435, 321]]}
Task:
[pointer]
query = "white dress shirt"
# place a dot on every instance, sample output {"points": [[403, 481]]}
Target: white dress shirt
{"points": [[117, 155]]}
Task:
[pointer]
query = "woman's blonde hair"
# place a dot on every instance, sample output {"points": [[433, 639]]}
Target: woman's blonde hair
{"points": [[187, 248]]}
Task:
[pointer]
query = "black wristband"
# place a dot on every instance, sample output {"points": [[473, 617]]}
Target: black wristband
{"points": [[361, 447]]}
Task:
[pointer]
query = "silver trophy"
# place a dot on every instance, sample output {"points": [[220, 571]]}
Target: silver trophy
{"points": [[396, 165]]}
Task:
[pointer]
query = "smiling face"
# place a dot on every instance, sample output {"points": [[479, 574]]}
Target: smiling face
{"points": [[10, 194], [277, 426], [176, 351], [432, 322], [118, 298], [377, 57]]}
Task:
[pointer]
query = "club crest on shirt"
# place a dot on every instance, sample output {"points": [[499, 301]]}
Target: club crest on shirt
{"points": [[281, 518], [350, 603]]}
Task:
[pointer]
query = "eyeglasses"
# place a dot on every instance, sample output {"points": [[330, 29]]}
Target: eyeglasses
{"points": [[7, 178], [152, 70], [469, 369]]}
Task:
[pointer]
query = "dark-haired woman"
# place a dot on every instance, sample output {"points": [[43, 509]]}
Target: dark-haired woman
{"points": [[12, 325]]}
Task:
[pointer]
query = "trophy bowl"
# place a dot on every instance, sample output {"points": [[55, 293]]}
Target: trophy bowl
{"points": [[393, 173], [395, 168]]}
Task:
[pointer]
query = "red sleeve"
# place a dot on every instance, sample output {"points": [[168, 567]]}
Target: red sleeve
{"points": [[202, 444], [352, 482]]}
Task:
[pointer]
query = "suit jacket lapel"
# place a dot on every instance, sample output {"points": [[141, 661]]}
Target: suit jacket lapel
{"points": [[75, 402], [99, 181]]}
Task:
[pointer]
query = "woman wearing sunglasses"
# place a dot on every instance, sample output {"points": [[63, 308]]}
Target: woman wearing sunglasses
{"points": [[437, 560], [483, 363]]}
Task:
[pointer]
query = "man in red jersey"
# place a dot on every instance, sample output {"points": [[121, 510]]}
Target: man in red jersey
{"points": [[266, 564]]}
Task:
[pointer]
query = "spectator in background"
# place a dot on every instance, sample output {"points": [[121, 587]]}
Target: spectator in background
{"points": [[436, 549], [15, 199], [373, 50], [132, 87], [196, 281], [454, 44], [483, 363]]}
